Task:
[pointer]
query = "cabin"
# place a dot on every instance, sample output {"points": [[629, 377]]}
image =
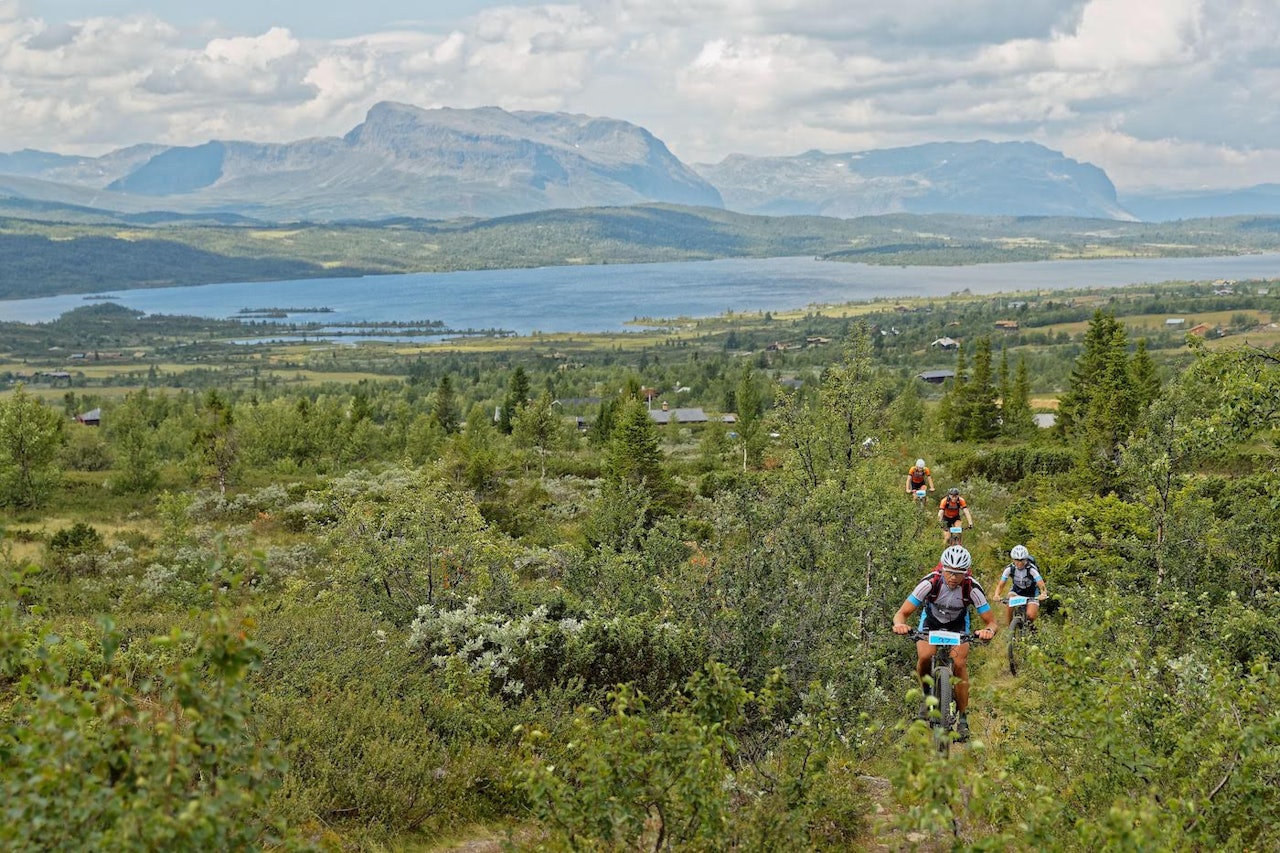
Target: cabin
{"points": [[946, 343], [1200, 329], [936, 377], [1007, 325], [1175, 322], [687, 415], [93, 417]]}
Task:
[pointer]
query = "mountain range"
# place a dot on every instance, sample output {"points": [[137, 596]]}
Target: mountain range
{"points": [[445, 164]]}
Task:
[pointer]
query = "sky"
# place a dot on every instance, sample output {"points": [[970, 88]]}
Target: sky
{"points": [[1174, 94]]}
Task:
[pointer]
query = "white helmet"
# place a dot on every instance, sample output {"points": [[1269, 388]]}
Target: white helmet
{"points": [[956, 557], [1019, 552], [919, 463]]}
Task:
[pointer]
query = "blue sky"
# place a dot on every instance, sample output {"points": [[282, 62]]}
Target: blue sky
{"points": [[1159, 93]]}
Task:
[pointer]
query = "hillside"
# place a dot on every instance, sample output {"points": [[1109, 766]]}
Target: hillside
{"points": [[102, 252]]}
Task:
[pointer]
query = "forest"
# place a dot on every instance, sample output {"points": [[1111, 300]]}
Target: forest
{"points": [[494, 593]]}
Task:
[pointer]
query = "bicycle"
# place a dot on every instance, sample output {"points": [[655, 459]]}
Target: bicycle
{"points": [[943, 716], [955, 535], [1017, 624], [919, 496]]}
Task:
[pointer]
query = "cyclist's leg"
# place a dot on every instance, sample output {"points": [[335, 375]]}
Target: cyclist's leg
{"points": [[1033, 608], [924, 652]]}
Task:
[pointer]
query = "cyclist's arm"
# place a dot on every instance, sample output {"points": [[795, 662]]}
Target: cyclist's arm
{"points": [[998, 593], [968, 517], [929, 480], [909, 489], [989, 622], [908, 607]]}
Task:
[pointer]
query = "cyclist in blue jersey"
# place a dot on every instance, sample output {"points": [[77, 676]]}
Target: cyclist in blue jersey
{"points": [[946, 596], [1023, 576]]}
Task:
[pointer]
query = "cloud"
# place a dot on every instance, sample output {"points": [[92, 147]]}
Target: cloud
{"points": [[1132, 86]]}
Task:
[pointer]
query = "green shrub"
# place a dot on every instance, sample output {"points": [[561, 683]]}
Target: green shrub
{"points": [[96, 761], [75, 550], [1011, 464]]}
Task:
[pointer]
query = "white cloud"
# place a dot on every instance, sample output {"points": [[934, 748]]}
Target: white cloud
{"points": [[1133, 86]]}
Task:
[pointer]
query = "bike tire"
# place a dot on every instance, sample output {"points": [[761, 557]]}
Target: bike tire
{"points": [[946, 717], [1015, 650]]}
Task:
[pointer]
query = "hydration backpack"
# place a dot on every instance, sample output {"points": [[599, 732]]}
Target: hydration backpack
{"points": [[935, 586], [951, 507]]}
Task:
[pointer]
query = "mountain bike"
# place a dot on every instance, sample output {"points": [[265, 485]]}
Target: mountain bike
{"points": [[955, 535], [919, 496], [943, 716], [1017, 625]]}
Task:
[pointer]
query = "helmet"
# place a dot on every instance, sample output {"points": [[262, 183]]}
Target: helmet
{"points": [[956, 557], [953, 491], [919, 463], [1019, 552]]}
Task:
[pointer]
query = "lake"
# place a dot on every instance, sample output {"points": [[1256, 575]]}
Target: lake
{"points": [[606, 298]]}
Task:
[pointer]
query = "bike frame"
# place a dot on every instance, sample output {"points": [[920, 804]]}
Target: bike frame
{"points": [[1017, 622], [943, 686]]}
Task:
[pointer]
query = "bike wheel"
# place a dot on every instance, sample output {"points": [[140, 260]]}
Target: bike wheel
{"points": [[1015, 645], [946, 719]]}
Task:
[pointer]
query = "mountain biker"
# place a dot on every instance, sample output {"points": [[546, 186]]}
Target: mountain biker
{"points": [[946, 608], [1023, 575], [918, 477], [949, 510]]}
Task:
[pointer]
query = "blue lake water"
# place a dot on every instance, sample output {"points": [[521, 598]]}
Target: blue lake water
{"points": [[606, 298]]}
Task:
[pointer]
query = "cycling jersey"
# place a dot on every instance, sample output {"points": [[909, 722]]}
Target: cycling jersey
{"points": [[948, 607], [947, 508], [918, 478], [1025, 581]]}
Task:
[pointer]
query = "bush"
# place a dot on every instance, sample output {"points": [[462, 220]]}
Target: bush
{"points": [[94, 761], [74, 550], [1012, 464]]}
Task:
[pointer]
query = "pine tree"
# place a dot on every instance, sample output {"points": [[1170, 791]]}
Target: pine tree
{"points": [[634, 455], [517, 398], [1144, 377], [444, 409], [952, 410], [982, 418], [1016, 418]]}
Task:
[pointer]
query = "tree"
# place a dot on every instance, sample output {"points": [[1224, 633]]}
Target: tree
{"points": [[31, 434], [1144, 377], [1098, 410], [517, 398], [134, 439], [538, 426], [444, 407], [750, 404], [634, 457], [215, 440], [1016, 419], [981, 414], [952, 410]]}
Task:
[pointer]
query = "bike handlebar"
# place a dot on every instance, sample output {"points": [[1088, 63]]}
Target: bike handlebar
{"points": [[965, 637]]}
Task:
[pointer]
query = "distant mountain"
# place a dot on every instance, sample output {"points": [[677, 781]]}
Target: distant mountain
{"points": [[975, 178], [1166, 206], [401, 161], [404, 161]]}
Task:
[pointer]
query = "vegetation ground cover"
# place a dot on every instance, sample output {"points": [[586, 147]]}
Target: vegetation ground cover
{"points": [[408, 603]]}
